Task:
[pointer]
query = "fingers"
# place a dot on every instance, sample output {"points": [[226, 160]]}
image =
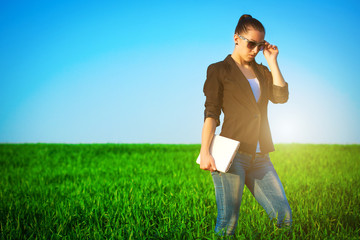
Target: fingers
{"points": [[270, 46], [206, 167], [213, 167], [208, 163], [210, 168]]}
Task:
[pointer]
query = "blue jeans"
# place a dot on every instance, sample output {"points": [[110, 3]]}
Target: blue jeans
{"points": [[259, 175]]}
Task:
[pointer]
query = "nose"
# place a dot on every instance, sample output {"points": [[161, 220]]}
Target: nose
{"points": [[256, 49]]}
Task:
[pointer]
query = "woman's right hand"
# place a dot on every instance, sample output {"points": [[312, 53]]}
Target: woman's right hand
{"points": [[207, 162]]}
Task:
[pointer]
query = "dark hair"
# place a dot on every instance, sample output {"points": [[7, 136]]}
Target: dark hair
{"points": [[247, 21]]}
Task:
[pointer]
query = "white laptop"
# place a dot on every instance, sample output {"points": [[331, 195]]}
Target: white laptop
{"points": [[223, 150]]}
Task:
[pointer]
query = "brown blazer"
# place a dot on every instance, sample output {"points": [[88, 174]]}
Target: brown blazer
{"points": [[245, 120]]}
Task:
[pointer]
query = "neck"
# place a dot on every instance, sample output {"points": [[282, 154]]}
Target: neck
{"points": [[239, 60]]}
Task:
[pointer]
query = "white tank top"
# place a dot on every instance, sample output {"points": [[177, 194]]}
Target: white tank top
{"points": [[255, 86]]}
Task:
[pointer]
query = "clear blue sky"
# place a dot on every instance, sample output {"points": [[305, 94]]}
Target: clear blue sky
{"points": [[133, 71]]}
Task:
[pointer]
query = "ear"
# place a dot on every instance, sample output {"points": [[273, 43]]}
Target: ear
{"points": [[236, 39]]}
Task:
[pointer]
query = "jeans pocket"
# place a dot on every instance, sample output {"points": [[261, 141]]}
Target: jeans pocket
{"points": [[262, 161], [215, 173]]}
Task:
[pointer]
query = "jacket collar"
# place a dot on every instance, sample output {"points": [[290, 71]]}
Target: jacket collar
{"points": [[242, 81]]}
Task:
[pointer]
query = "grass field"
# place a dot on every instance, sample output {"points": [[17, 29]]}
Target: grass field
{"points": [[143, 191]]}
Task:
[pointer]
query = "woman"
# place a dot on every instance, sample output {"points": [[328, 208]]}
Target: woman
{"points": [[241, 88]]}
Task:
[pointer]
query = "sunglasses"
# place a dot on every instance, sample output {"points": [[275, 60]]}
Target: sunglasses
{"points": [[252, 44]]}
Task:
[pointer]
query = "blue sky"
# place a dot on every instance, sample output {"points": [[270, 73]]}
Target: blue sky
{"points": [[133, 72]]}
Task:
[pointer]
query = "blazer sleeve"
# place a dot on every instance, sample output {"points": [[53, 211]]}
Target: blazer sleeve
{"points": [[213, 90], [276, 93]]}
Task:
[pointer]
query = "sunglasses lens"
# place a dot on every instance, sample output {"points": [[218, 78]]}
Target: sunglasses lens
{"points": [[251, 45]]}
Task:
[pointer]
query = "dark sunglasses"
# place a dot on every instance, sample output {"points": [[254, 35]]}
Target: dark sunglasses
{"points": [[252, 44]]}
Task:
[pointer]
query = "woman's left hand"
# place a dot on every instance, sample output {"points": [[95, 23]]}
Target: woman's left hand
{"points": [[270, 51]]}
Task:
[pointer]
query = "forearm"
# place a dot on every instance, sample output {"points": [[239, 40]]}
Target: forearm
{"points": [[278, 79], [208, 132]]}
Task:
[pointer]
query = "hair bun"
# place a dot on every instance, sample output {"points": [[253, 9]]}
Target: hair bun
{"points": [[246, 22], [245, 16]]}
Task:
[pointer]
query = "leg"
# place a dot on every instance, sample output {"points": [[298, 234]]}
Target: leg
{"points": [[228, 190], [264, 183]]}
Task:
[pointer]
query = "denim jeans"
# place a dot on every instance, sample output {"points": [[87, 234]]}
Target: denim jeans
{"points": [[259, 175]]}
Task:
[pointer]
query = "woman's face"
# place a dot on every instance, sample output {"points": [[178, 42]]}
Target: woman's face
{"points": [[247, 54]]}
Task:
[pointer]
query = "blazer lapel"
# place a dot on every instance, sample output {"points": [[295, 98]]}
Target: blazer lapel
{"points": [[241, 80], [259, 76]]}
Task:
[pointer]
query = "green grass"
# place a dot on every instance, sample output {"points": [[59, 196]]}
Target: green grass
{"points": [[143, 191]]}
